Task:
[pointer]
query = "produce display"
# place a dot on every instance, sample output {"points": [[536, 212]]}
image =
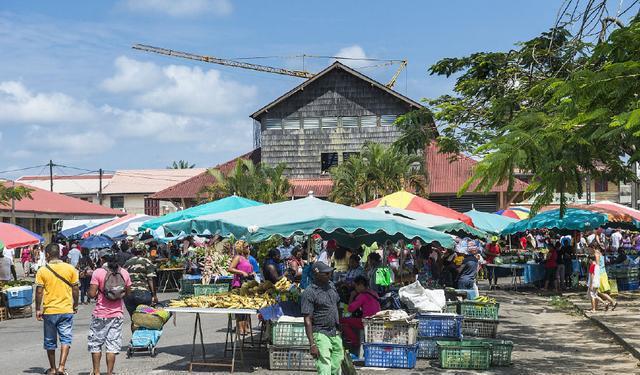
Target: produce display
{"points": [[10, 284], [214, 263], [173, 263]]}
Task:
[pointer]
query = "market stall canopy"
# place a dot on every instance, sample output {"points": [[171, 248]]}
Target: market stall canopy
{"points": [[76, 232], [412, 202], [518, 213], [614, 218], [119, 230], [221, 205], [15, 236], [439, 223], [620, 208], [96, 242], [573, 219], [349, 226], [105, 226], [488, 222]]}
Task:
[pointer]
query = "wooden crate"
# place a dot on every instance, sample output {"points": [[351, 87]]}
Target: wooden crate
{"points": [[4, 313]]}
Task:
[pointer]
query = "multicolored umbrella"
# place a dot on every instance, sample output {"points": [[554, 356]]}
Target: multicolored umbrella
{"points": [[619, 208], [15, 236], [518, 213], [412, 202]]}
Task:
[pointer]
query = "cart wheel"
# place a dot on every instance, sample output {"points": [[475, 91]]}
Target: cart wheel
{"points": [[153, 352]]}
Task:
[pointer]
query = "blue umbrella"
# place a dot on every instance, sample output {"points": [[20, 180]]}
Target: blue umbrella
{"points": [[96, 242]]}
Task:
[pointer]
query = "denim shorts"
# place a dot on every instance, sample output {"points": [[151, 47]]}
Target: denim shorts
{"points": [[57, 325], [105, 332]]}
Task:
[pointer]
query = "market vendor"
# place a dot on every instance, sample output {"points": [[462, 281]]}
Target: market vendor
{"points": [[241, 270], [362, 305], [492, 250], [273, 266], [319, 305], [468, 270], [295, 265], [286, 248]]}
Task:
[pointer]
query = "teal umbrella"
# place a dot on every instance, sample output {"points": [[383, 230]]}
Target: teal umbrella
{"points": [[435, 222], [573, 219], [221, 205], [349, 226], [488, 222]]}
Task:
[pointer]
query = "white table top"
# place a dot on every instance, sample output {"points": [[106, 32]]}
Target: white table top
{"points": [[207, 310]]}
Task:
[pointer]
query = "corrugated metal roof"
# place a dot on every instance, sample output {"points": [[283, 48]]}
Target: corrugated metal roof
{"points": [[48, 202], [148, 181], [447, 177], [300, 187], [80, 185]]}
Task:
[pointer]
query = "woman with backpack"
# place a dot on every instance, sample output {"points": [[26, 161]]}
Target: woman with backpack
{"points": [[363, 305], [110, 284], [85, 268]]}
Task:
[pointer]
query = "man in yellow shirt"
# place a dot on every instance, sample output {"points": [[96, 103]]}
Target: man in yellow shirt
{"points": [[57, 295]]}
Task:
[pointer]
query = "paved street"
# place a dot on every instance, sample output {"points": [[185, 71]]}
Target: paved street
{"points": [[546, 340]]}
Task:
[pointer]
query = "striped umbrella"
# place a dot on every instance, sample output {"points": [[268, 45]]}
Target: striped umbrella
{"points": [[15, 236], [518, 213]]}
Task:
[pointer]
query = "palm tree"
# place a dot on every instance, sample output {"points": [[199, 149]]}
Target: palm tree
{"points": [[181, 164], [376, 172], [13, 193]]}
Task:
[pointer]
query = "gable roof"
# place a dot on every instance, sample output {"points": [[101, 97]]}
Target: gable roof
{"points": [[147, 181], [447, 177], [189, 188], [47, 202], [335, 65], [81, 185]]}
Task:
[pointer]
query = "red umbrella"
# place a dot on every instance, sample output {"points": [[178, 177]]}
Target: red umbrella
{"points": [[14, 236]]}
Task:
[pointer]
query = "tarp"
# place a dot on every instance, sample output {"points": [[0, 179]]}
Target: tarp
{"points": [[348, 225], [15, 236], [573, 219], [73, 223], [77, 231], [221, 205], [119, 230], [488, 222], [102, 227], [412, 202], [439, 223], [96, 242]]}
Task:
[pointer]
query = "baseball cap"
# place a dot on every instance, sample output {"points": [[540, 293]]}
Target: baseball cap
{"points": [[321, 267]]}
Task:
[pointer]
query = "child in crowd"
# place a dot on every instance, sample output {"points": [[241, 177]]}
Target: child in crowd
{"points": [[593, 283]]}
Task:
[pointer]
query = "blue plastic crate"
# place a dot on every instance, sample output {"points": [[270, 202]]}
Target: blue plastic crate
{"points": [[627, 284], [19, 296], [439, 325], [390, 355]]}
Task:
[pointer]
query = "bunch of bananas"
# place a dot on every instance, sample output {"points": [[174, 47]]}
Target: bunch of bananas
{"points": [[484, 299], [283, 284], [226, 300]]}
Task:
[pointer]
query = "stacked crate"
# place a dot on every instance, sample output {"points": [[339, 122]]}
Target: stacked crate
{"points": [[390, 344], [290, 348], [433, 327], [626, 276], [480, 318]]}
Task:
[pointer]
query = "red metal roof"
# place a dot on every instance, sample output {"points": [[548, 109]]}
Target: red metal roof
{"points": [[47, 202], [189, 189], [447, 177], [301, 187]]}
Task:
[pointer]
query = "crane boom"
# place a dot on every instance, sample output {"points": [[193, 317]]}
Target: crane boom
{"points": [[226, 62], [403, 64]]}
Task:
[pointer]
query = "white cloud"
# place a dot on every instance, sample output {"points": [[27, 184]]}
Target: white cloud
{"points": [[179, 88], [353, 52], [181, 8], [70, 142], [19, 105]]}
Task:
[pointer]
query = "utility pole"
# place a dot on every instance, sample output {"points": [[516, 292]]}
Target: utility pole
{"points": [[51, 174], [634, 187], [588, 189], [13, 203], [100, 187]]}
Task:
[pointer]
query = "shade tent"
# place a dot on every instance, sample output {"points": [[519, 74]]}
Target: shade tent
{"points": [[221, 205], [412, 202], [573, 219], [618, 208], [348, 225], [119, 230], [77, 231], [439, 223], [518, 213], [15, 236], [89, 223], [105, 226], [488, 222]]}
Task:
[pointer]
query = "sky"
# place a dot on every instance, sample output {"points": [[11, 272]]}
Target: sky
{"points": [[72, 89]]}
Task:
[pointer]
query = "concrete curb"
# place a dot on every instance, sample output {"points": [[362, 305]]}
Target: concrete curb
{"points": [[619, 339]]}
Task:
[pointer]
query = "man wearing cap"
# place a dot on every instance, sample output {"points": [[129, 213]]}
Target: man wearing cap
{"points": [[320, 309], [492, 250], [469, 268]]}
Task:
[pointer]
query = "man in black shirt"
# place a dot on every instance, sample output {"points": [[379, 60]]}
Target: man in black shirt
{"points": [[320, 309]]}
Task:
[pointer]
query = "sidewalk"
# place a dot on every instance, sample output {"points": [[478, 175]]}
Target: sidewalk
{"points": [[622, 324]]}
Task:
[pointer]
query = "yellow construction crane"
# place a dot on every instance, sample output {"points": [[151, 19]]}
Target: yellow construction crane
{"points": [[260, 68]]}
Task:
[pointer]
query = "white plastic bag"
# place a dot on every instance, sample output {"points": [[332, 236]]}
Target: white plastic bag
{"points": [[421, 299]]}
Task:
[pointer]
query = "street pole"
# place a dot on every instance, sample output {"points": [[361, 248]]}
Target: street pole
{"points": [[51, 174], [100, 188], [13, 203], [588, 189], [634, 187]]}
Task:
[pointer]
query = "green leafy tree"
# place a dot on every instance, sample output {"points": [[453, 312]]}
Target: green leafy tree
{"points": [[376, 172], [9, 193], [260, 182], [181, 164]]}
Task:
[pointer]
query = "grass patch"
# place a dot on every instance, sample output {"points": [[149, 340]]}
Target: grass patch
{"points": [[563, 303]]}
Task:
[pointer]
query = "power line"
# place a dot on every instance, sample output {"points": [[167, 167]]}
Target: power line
{"points": [[23, 169]]}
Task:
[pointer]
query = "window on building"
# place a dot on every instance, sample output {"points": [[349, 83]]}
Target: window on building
{"points": [[291, 123], [329, 122], [601, 185], [368, 121], [327, 161], [273, 123], [347, 155], [117, 202], [349, 122], [387, 120], [311, 123]]}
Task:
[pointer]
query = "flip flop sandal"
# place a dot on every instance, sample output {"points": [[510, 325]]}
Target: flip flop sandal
{"points": [[614, 306]]}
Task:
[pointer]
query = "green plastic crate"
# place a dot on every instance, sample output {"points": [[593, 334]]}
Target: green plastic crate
{"points": [[466, 355], [288, 334], [207, 290], [479, 310], [500, 351]]}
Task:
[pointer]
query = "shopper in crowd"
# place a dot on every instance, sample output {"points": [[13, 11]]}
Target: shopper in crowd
{"points": [[604, 289], [340, 260], [7, 269], [363, 304], [560, 265], [242, 271], [273, 269], [567, 257], [326, 255], [142, 273], [122, 256], [254, 263], [319, 305], [85, 268], [468, 270], [593, 283], [25, 259], [492, 250], [550, 267], [286, 248], [57, 295], [374, 262], [295, 265], [74, 255], [110, 284], [354, 270]]}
